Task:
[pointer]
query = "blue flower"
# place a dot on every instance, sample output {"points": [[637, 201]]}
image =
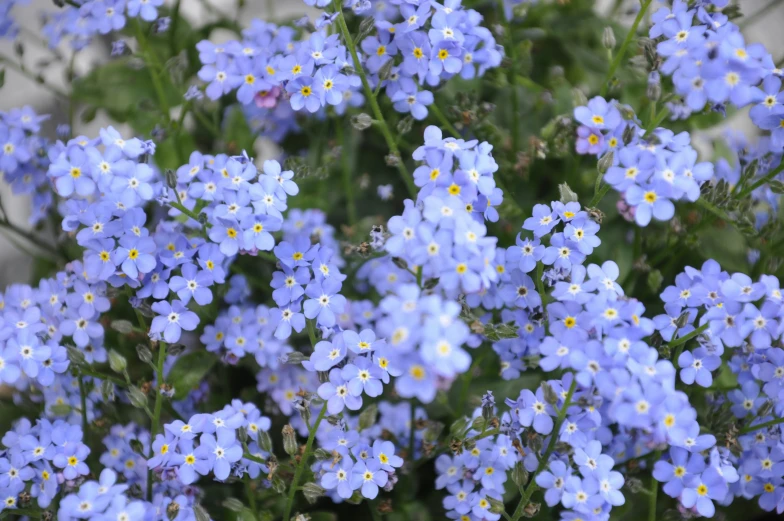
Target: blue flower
{"points": [[367, 476], [172, 319], [219, 451], [337, 394]]}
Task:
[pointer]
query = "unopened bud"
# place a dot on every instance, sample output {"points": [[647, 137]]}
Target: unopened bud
{"points": [[608, 38], [392, 159], [361, 121], [549, 393], [173, 510], [137, 397], [289, 440], [519, 474], [496, 505], [605, 162], [144, 353], [566, 193], [117, 362], [312, 492], [654, 86], [264, 441]]}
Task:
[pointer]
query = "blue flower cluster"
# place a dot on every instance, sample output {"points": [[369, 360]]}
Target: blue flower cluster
{"points": [[209, 443], [743, 316], [650, 169], [415, 45], [93, 18], [362, 458], [710, 63], [23, 162], [41, 458]]}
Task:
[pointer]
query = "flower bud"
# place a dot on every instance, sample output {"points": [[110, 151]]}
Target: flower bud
{"points": [[496, 505], [605, 162], [312, 492], [608, 38], [137, 397], [117, 362], [144, 353], [654, 86], [265, 442], [361, 121], [579, 98], [566, 193], [290, 440], [173, 510]]}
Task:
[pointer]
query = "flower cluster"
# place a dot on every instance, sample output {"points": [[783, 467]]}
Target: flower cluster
{"points": [[651, 169], [41, 458], [23, 161], [432, 43], [209, 443], [93, 18]]}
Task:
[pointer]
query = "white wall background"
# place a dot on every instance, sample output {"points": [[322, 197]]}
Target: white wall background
{"points": [[20, 90]]}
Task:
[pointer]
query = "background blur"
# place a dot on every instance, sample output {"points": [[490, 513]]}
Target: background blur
{"points": [[19, 90]]}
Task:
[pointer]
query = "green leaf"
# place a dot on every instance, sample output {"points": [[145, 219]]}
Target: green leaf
{"points": [[188, 371]]}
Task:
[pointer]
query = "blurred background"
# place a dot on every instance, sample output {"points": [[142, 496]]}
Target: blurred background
{"points": [[763, 25]]}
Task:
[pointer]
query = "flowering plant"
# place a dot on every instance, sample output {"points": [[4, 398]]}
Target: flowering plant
{"points": [[426, 299]]}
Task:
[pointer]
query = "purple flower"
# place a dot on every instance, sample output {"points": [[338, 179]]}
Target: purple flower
{"points": [[192, 283], [697, 366], [324, 301], [219, 451]]}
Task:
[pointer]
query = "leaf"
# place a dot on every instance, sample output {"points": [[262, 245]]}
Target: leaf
{"points": [[188, 371]]}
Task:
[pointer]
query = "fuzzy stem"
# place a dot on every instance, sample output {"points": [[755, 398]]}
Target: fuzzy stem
{"points": [[380, 121], [626, 42], [544, 460]]}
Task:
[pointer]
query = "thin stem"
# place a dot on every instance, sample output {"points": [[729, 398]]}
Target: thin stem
{"points": [[154, 68], [653, 495], [544, 460], [302, 462], [679, 343], [511, 77], [38, 79], [542, 295], [83, 398], [311, 436], [710, 207], [156, 415], [663, 113], [762, 180], [444, 122], [5, 223], [752, 428], [250, 494], [377, 114], [622, 51], [175, 20], [348, 185], [598, 196]]}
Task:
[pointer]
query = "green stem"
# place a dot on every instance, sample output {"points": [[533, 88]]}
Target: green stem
{"points": [[752, 428], [156, 414], [444, 122], [303, 461], [679, 343], [622, 51], [653, 495], [83, 398], [5, 223], [598, 196], [379, 116], [762, 180], [175, 20], [544, 460], [663, 113], [154, 69], [250, 494], [511, 77], [542, 295], [710, 207], [38, 79], [348, 185]]}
